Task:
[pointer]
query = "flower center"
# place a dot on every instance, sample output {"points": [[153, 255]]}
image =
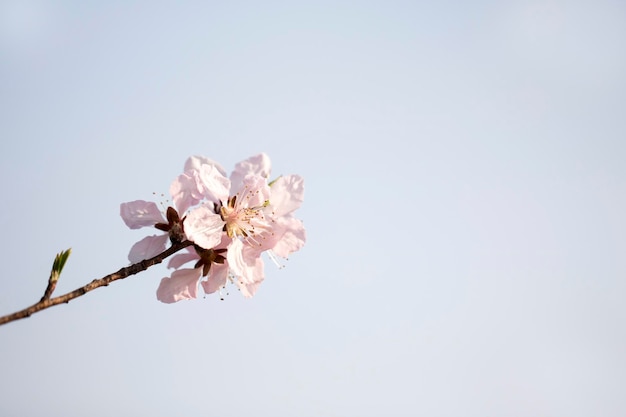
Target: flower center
{"points": [[242, 220]]}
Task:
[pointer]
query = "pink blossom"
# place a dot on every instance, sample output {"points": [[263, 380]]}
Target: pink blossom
{"points": [[231, 221], [256, 217]]}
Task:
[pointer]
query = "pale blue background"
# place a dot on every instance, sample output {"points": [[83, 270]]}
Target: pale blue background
{"points": [[465, 206]]}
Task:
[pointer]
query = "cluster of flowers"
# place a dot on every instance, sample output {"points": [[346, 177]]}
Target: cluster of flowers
{"points": [[230, 220]]}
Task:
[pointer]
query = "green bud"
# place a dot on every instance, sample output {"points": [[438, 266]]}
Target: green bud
{"points": [[59, 263]]}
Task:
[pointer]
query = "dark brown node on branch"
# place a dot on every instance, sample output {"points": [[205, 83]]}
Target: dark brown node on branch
{"points": [[174, 226], [209, 257]]}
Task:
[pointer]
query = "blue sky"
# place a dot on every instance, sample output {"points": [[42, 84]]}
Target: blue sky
{"points": [[465, 200]]}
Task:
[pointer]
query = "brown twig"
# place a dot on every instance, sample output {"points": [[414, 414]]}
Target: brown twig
{"points": [[47, 302]]}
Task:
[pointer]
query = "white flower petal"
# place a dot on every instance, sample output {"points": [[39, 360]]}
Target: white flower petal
{"points": [[183, 285], [140, 213], [287, 194], [204, 227], [195, 162], [258, 165], [147, 247], [214, 184]]}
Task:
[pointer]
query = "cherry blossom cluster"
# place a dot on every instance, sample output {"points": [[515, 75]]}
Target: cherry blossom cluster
{"points": [[231, 221]]}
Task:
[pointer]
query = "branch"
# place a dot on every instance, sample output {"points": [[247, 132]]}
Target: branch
{"points": [[47, 302]]}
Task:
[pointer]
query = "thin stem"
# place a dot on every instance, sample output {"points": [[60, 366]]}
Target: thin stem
{"points": [[125, 272]]}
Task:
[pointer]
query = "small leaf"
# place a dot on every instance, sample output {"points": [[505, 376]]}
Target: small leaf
{"points": [[59, 262]]}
